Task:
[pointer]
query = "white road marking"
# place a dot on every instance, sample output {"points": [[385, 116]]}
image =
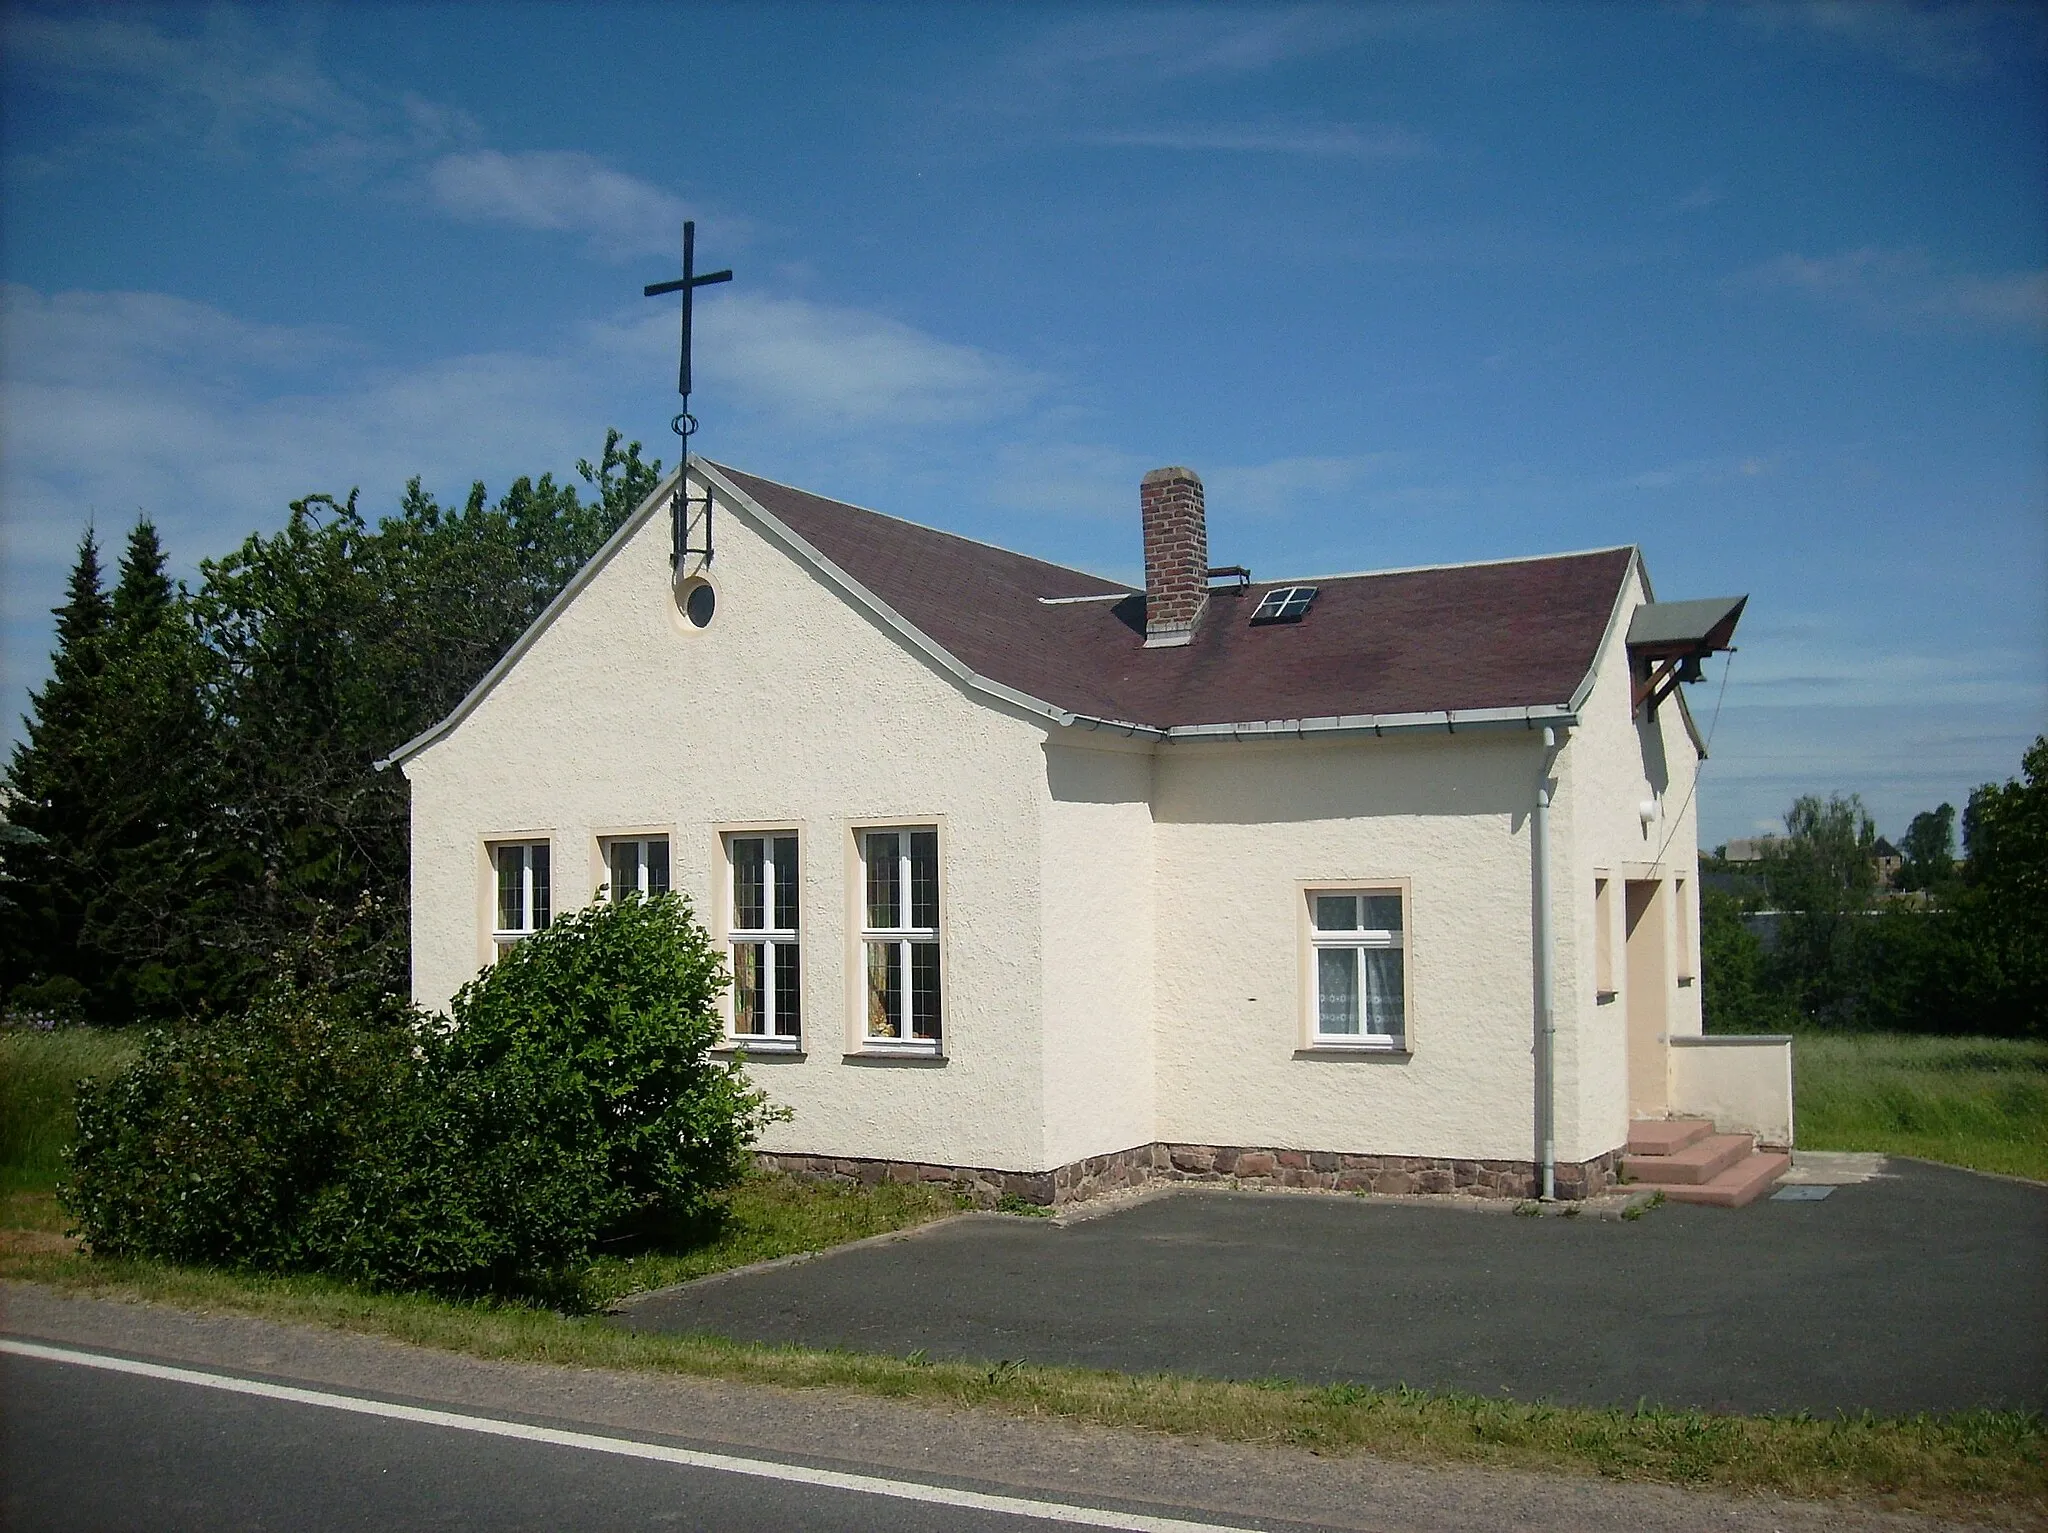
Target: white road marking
{"points": [[625, 1447]]}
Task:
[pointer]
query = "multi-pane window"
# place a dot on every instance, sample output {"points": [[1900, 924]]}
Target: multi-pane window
{"points": [[638, 866], [1358, 946], [767, 976], [524, 894], [900, 937]]}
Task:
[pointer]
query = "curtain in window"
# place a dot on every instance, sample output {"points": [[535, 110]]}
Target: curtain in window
{"points": [[885, 991], [1385, 1008], [749, 1004], [1337, 990]]}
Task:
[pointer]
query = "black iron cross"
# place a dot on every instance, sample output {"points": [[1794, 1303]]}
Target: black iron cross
{"points": [[681, 503], [687, 285]]}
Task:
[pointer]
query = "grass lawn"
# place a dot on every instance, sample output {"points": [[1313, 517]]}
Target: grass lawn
{"points": [[38, 1072], [1979, 1464], [1976, 1102]]}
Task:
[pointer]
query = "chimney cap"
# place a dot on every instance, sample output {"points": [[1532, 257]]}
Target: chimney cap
{"points": [[1175, 471]]}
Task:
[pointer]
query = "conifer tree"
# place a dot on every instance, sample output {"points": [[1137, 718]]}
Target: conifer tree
{"points": [[52, 787], [148, 828]]}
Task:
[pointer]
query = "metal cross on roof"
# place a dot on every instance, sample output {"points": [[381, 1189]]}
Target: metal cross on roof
{"points": [[687, 285], [685, 424]]}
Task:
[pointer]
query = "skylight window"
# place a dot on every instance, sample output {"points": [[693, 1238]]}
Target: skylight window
{"points": [[1285, 605]]}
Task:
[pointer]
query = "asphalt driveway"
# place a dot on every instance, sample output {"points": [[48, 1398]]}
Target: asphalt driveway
{"points": [[1924, 1289]]}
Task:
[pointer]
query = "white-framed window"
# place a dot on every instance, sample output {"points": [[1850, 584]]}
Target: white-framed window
{"points": [[900, 938], [637, 864], [767, 963], [525, 892], [1358, 960]]}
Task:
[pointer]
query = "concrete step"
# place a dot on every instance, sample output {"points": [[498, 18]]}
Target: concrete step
{"points": [[1742, 1183], [1697, 1163], [1666, 1136]]}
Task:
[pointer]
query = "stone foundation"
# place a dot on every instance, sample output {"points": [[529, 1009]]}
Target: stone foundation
{"points": [[1230, 1165]]}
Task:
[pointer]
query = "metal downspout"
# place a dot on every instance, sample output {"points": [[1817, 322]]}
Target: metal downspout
{"points": [[1546, 1012]]}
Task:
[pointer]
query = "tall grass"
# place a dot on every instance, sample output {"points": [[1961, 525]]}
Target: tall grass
{"points": [[1975, 1102], [39, 1075]]}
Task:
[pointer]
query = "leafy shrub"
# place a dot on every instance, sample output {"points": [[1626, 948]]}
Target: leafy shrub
{"points": [[216, 1143], [570, 1092], [622, 995]]}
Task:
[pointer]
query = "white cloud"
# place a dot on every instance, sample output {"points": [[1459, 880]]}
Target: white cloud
{"points": [[1068, 479], [557, 190], [224, 86], [112, 403], [1906, 289], [1286, 485], [1175, 42], [839, 369], [1333, 141], [1086, 479], [1694, 472], [1705, 195], [77, 338], [231, 87]]}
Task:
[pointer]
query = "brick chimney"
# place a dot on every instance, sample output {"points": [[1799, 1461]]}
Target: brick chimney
{"points": [[1176, 555]]}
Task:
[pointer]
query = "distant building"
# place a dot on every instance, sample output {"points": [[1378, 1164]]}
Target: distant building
{"points": [[1887, 860], [1748, 849]]}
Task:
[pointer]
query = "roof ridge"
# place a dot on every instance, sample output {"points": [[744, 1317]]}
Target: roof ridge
{"points": [[1451, 564], [961, 537]]}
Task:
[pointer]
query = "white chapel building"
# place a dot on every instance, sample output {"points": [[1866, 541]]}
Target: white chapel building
{"points": [[1045, 885]]}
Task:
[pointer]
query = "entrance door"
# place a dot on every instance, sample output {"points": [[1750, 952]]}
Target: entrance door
{"points": [[1647, 987]]}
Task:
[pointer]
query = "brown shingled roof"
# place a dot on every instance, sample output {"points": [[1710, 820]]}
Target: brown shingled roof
{"points": [[1518, 634]]}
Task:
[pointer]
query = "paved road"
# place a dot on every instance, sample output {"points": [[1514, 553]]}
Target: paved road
{"points": [[94, 1450], [1926, 1289], [126, 1452]]}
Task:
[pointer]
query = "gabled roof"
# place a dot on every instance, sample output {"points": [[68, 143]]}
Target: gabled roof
{"points": [[1513, 636], [1447, 647]]}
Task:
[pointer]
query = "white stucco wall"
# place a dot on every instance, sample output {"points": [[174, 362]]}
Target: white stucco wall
{"points": [[1097, 909], [1124, 923], [1743, 1084], [1612, 764], [791, 709], [1238, 830]]}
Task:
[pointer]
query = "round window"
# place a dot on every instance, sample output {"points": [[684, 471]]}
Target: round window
{"points": [[699, 602]]}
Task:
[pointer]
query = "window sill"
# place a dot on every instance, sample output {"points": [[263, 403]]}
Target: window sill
{"points": [[1353, 1051], [922, 1055], [760, 1048]]}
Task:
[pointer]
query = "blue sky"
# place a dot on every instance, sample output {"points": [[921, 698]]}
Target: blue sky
{"points": [[1764, 289]]}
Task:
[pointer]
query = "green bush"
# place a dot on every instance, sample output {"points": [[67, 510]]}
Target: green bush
{"points": [[570, 1093], [623, 996], [217, 1143]]}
